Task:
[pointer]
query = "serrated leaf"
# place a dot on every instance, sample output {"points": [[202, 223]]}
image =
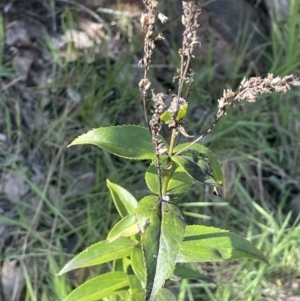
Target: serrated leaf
{"points": [[148, 215], [99, 253], [126, 227], [100, 287], [203, 243], [127, 141], [137, 264], [179, 183], [216, 172], [124, 201], [162, 226], [191, 167], [171, 235], [165, 295]]}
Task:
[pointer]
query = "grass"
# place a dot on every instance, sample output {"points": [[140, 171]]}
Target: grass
{"points": [[257, 144]]}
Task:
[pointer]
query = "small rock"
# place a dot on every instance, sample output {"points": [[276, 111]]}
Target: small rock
{"points": [[12, 280], [13, 186]]}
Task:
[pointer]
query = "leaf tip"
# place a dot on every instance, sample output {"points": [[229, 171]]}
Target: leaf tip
{"points": [[74, 142], [61, 272]]}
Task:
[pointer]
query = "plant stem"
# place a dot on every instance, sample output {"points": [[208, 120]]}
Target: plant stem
{"points": [[168, 171], [167, 175], [172, 142]]}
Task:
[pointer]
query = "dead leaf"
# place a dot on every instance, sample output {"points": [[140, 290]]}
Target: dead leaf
{"points": [[13, 186], [94, 30], [16, 34], [12, 280], [80, 39], [22, 62], [73, 95], [279, 9]]}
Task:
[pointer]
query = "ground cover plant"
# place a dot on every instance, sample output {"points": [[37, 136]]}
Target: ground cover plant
{"points": [[259, 156], [152, 240]]}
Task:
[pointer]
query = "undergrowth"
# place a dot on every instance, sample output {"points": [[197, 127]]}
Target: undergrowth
{"points": [[258, 146]]}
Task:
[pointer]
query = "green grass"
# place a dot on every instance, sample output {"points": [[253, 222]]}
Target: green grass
{"points": [[258, 146]]}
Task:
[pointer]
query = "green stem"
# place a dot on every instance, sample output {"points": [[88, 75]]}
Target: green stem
{"points": [[169, 172], [165, 181], [172, 143]]}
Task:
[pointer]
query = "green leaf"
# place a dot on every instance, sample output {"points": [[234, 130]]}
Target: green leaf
{"points": [[216, 172], [137, 263], [188, 271], [148, 217], [124, 201], [134, 282], [126, 227], [162, 226], [151, 178], [166, 295], [166, 117], [171, 235], [137, 295], [100, 287], [118, 265], [203, 243], [182, 111], [100, 252], [179, 183], [127, 141], [122, 295], [189, 162]]}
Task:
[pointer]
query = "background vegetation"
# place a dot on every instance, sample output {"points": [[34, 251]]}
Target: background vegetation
{"points": [[67, 206]]}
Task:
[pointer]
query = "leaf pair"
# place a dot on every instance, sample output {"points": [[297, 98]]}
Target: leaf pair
{"points": [[135, 142]]}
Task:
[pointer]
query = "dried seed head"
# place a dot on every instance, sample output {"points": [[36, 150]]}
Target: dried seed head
{"points": [[144, 20], [159, 37], [251, 88], [144, 84], [162, 17]]}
